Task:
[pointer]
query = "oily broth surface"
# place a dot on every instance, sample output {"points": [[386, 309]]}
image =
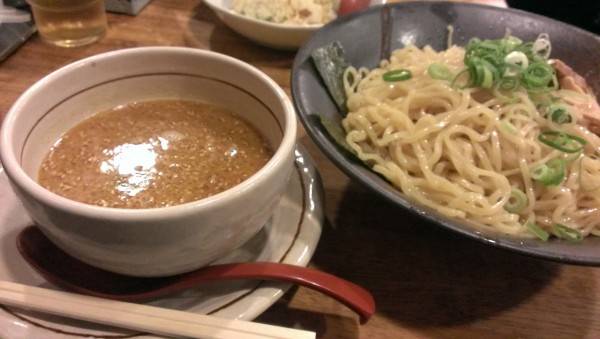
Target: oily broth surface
{"points": [[153, 154]]}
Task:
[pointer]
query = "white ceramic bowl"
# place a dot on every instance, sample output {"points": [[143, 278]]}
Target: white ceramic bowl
{"points": [[274, 35], [160, 241]]}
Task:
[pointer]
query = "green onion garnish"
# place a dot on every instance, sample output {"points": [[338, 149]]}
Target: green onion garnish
{"points": [[517, 201], [487, 77], [490, 62], [562, 141], [537, 75], [537, 231], [439, 71], [508, 84], [516, 62], [567, 233], [455, 81], [397, 75], [551, 173], [512, 42], [541, 46], [559, 114], [482, 72]]}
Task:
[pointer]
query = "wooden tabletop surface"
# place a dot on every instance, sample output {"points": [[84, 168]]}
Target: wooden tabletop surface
{"points": [[427, 282]]}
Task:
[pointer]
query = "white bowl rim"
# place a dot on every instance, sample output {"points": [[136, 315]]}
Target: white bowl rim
{"points": [[15, 171]]}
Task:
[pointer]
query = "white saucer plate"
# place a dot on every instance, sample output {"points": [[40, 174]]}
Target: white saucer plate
{"points": [[290, 237]]}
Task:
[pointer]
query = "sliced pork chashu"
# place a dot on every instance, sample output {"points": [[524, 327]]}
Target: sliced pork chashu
{"points": [[587, 113]]}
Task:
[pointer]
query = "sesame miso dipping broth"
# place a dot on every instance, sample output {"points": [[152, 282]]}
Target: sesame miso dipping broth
{"points": [[153, 154], [151, 161]]}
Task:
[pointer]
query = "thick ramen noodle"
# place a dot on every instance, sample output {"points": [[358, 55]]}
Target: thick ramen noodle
{"points": [[480, 152]]}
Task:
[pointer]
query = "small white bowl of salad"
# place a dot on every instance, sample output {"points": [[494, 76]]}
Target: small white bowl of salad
{"points": [[283, 24]]}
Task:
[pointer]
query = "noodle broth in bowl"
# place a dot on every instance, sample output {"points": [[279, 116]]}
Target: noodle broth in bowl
{"points": [[150, 161], [489, 134]]}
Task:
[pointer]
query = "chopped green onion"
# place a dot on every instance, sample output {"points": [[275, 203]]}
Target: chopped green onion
{"points": [[488, 78], [567, 233], [537, 231], [527, 48], [541, 46], [455, 80], [508, 84], [551, 173], [397, 75], [562, 141], [439, 71], [516, 62], [537, 75], [489, 62], [559, 114], [482, 72], [517, 201], [511, 42]]}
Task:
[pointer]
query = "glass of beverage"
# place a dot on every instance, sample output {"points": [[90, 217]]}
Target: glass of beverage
{"points": [[69, 23]]}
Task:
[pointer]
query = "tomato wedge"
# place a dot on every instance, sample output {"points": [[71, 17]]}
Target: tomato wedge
{"points": [[349, 6]]}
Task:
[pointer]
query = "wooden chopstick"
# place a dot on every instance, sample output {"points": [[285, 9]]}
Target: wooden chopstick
{"points": [[138, 317]]}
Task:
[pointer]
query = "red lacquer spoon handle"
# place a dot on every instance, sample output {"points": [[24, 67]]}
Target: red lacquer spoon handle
{"points": [[355, 297], [65, 271]]}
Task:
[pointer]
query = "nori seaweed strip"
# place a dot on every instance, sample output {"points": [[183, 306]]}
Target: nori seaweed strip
{"points": [[331, 64]]}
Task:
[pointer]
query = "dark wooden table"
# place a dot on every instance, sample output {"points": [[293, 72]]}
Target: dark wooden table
{"points": [[427, 282]]}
